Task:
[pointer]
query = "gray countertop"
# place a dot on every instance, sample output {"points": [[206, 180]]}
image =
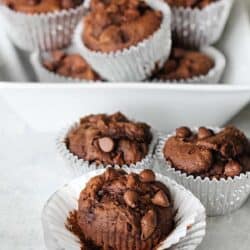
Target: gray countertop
{"points": [[31, 171]]}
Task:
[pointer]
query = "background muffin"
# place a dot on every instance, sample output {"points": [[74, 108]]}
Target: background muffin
{"points": [[43, 24], [199, 23], [121, 39], [125, 211]]}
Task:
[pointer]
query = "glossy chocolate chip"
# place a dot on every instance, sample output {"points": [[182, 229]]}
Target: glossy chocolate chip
{"points": [[160, 199], [132, 181], [148, 224], [131, 198], [183, 132], [106, 144], [147, 175], [232, 169], [204, 133]]}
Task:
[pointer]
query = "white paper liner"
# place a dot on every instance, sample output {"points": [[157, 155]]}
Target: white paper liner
{"points": [[137, 62], [44, 75], [200, 27], [213, 76], [188, 232], [48, 31], [219, 197], [81, 166]]}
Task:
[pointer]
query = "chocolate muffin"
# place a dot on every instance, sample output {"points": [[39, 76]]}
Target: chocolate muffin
{"points": [[190, 3], [184, 64], [110, 139], [115, 25], [121, 211], [41, 6], [70, 65], [209, 154]]}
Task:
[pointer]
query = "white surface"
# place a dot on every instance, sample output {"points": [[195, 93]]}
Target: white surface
{"points": [[31, 171], [190, 212]]}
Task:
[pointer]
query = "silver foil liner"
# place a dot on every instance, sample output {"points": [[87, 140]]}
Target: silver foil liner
{"points": [[48, 31], [213, 76], [188, 232], [219, 197], [44, 75], [200, 27], [137, 62], [81, 166]]}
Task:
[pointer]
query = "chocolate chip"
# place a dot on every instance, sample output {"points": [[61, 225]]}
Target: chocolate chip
{"points": [[147, 175], [33, 2], [131, 181], [111, 174], [204, 133], [148, 224], [232, 169], [183, 132], [67, 4], [161, 199], [106, 144], [131, 198]]}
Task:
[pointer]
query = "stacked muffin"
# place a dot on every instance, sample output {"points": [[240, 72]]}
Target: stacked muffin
{"points": [[121, 41]]}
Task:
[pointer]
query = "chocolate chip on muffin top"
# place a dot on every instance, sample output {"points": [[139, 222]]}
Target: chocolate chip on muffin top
{"points": [[185, 64], [70, 65], [190, 3], [41, 6], [114, 25], [124, 211], [110, 139], [209, 154]]}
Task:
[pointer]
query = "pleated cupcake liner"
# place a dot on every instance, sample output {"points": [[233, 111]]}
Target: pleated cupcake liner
{"points": [[212, 77], [137, 62], [200, 27], [47, 31], [44, 75], [219, 197], [80, 166], [190, 223]]}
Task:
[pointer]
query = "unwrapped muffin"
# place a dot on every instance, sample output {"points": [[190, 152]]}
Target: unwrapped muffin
{"points": [[124, 211], [199, 23], [213, 163], [41, 24], [121, 39]]}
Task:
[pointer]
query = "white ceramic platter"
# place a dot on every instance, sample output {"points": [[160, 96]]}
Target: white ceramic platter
{"points": [[165, 106]]}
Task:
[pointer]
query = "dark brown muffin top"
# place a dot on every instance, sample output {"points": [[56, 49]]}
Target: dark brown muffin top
{"points": [[70, 65], [209, 154], [41, 6], [123, 211], [110, 139], [190, 3], [114, 25], [185, 64]]}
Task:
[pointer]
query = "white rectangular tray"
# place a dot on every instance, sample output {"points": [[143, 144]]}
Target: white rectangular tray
{"points": [[165, 106]]}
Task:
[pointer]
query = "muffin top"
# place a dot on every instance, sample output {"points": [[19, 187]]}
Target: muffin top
{"points": [[70, 65], [124, 211], [190, 3], [114, 25], [110, 139], [209, 154], [185, 64], [41, 6]]}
